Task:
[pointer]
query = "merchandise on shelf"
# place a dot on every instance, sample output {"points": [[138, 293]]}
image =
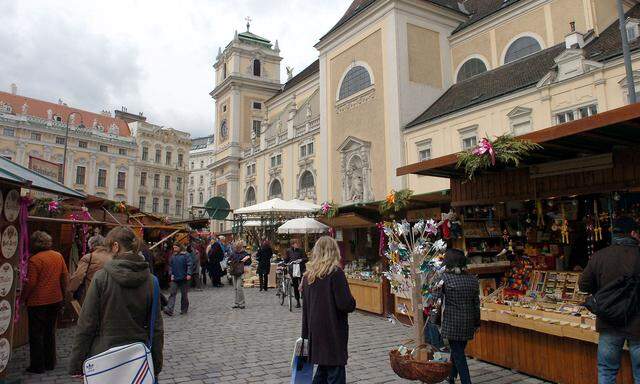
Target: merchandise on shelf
{"points": [[361, 270]]}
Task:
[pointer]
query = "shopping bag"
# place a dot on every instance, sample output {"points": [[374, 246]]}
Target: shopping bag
{"points": [[296, 270], [301, 368], [302, 372], [131, 363]]}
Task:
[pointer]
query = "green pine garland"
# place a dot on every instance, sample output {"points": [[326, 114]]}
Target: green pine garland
{"points": [[509, 150]]}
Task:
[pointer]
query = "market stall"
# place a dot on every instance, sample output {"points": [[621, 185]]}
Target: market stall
{"points": [[15, 184], [531, 227]]}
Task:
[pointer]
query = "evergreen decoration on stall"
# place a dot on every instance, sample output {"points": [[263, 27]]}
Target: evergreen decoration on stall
{"points": [[329, 209], [46, 207], [505, 150], [395, 202], [415, 265]]}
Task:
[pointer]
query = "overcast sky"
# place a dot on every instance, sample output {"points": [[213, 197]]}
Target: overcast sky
{"points": [[152, 56]]}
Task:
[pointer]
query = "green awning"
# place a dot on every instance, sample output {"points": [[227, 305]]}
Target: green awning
{"points": [[18, 174]]}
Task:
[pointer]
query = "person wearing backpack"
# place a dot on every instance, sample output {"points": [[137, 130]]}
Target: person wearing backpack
{"points": [[608, 278]]}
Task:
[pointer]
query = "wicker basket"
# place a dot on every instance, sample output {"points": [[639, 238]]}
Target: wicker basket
{"points": [[430, 372]]}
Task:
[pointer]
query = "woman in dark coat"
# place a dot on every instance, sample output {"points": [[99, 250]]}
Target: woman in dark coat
{"points": [[326, 306], [264, 264], [461, 315]]}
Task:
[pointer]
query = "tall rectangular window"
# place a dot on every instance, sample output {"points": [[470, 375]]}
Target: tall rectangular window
{"points": [[167, 181], [80, 174], [145, 153], [201, 180], [154, 206], [167, 158], [468, 137], [178, 183], [82, 144], [142, 203], [156, 180], [178, 207], [191, 199], [424, 150], [180, 159], [60, 140], [36, 136], [122, 151], [102, 178], [256, 127], [143, 179], [104, 148], [122, 179], [158, 156], [9, 132], [165, 206]]}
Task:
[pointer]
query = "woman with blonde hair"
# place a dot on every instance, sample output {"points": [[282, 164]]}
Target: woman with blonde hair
{"points": [[327, 302]]}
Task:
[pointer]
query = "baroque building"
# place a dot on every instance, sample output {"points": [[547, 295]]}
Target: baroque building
{"points": [[200, 186], [400, 81], [119, 157]]}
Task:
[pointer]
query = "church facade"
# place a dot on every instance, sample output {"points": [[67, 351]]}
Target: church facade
{"points": [[401, 81]]}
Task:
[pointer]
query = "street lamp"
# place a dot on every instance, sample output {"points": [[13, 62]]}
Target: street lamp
{"points": [[626, 54], [66, 143]]}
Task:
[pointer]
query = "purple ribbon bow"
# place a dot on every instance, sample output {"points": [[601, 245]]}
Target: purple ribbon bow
{"points": [[485, 147]]}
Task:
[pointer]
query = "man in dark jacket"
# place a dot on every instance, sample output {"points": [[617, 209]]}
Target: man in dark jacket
{"points": [[215, 256], [295, 253], [621, 258], [180, 270]]}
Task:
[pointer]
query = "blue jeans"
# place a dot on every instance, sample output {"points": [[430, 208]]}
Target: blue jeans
{"points": [[459, 362], [610, 354], [432, 335], [330, 374]]}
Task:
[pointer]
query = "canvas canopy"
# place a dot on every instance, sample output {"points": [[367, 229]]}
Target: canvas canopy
{"points": [[278, 205], [303, 225]]}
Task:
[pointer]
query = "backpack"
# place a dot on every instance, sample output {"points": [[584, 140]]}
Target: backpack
{"points": [[618, 302]]}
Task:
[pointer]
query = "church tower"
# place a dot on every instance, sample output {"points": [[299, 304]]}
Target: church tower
{"points": [[247, 73]]}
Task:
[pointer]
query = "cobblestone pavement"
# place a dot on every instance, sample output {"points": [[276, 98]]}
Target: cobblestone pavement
{"points": [[215, 344]]}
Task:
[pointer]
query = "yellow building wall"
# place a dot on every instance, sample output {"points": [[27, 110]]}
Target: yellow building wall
{"points": [[424, 56], [565, 11], [366, 121]]}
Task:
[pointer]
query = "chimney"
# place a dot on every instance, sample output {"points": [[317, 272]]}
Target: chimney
{"points": [[574, 40], [14, 89]]}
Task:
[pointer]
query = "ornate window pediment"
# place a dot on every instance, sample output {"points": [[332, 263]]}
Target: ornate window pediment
{"points": [[355, 170]]}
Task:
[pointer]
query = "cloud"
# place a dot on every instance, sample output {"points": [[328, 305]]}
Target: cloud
{"points": [[148, 55]]}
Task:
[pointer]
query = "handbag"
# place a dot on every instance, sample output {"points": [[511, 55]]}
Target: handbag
{"points": [[82, 288], [131, 363], [237, 268], [617, 302], [301, 368]]}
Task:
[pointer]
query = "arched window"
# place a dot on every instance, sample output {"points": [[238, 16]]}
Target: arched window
{"points": [[520, 48], [250, 197], [306, 180], [275, 190], [256, 67], [356, 79], [224, 131], [471, 68]]}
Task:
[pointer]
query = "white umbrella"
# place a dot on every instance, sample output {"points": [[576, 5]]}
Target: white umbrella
{"points": [[278, 206], [303, 225]]}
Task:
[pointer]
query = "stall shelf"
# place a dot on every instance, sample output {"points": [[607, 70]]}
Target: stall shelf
{"points": [[368, 295]]}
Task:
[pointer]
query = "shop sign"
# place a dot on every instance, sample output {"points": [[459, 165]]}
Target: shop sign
{"points": [[9, 242], [12, 205], [6, 279], [46, 168]]}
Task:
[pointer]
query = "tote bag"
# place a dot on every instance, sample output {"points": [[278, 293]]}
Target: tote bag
{"points": [[131, 363], [301, 368]]}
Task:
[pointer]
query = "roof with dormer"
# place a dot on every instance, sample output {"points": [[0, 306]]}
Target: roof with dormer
{"points": [[40, 108], [521, 74]]}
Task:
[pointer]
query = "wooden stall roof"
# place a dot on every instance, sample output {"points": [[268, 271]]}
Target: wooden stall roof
{"points": [[593, 135], [348, 220]]}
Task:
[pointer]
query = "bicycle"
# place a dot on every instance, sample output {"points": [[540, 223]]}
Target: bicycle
{"points": [[284, 284]]}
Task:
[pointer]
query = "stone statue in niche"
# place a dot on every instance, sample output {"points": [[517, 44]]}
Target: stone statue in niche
{"points": [[95, 124], [72, 119], [25, 108], [355, 179], [49, 114]]}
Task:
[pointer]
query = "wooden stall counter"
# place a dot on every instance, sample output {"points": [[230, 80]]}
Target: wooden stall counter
{"points": [[368, 295], [555, 347]]}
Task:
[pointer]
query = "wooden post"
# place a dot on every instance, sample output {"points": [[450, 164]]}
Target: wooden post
{"points": [[165, 239], [418, 317]]}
